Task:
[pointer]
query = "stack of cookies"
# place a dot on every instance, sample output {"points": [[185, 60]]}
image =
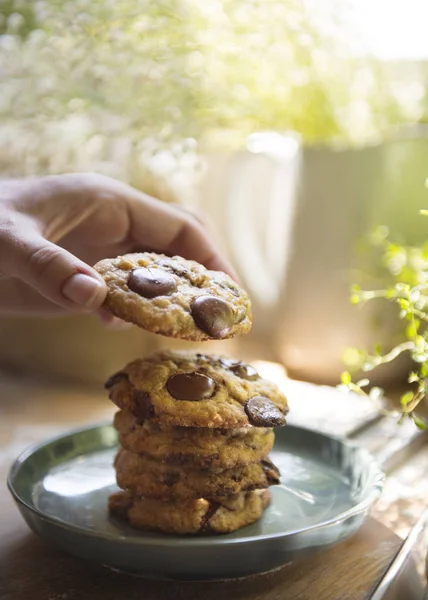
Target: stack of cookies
{"points": [[195, 429]]}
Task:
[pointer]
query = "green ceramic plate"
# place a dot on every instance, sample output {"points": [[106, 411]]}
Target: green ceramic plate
{"points": [[61, 488]]}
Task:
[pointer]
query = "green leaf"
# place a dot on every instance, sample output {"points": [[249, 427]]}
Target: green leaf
{"points": [[412, 329], [345, 378], [420, 423], [424, 369], [393, 249], [352, 357], [406, 398], [403, 304], [408, 267]]}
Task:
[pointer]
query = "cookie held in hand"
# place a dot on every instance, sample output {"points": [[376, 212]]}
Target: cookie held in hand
{"points": [[175, 297]]}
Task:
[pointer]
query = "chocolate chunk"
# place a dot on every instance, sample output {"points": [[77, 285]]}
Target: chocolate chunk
{"points": [[239, 368], [190, 386], [213, 315], [271, 471], [244, 371], [119, 504], [178, 270], [151, 283], [170, 478], [116, 378], [211, 511], [263, 413], [143, 406]]}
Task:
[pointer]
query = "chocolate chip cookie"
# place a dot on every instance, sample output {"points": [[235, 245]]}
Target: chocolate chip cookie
{"points": [[200, 516], [197, 390], [153, 479], [191, 446], [175, 297]]}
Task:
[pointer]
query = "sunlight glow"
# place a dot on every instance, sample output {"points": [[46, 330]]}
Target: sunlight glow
{"points": [[393, 29]]}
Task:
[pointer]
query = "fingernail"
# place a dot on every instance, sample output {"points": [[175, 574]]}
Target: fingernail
{"points": [[84, 290]]}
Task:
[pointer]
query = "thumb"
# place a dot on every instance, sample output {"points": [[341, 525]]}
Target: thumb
{"points": [[53, 272]]}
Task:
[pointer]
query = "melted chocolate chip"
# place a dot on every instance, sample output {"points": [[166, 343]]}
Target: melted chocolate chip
{"points": [[227, 363], [271, 471], [143, 406], [151, 283], [213, 315], [238, 368], [190, 386], [244, 371], [116, 378], [263, 413]]}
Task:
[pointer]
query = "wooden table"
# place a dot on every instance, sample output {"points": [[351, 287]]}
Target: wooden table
{"points": [[32, 570]]}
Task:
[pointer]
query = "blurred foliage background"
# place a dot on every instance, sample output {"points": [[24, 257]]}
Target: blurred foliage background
{"points": [[134, 88]]}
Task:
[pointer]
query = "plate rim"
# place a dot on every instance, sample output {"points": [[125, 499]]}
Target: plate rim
{"points": [[147, 539]]}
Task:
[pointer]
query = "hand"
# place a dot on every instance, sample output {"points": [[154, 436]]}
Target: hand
{"points": [[53, 228]]}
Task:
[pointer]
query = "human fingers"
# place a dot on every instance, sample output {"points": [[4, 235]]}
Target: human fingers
{"points": [[51, 271]]}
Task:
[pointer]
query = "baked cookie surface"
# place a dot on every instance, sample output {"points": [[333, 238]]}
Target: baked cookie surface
{"points": [[175, 297], [191, 446], [197, 390], [153, 479], [192, 517]]}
